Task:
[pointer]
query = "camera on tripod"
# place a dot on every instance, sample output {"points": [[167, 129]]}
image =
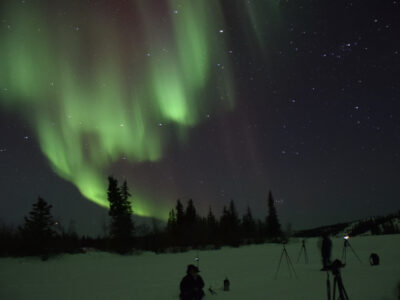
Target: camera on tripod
{"points": [[337, 281], [335, 267]]}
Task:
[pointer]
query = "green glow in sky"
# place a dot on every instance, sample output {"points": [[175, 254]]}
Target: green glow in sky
{"points": [[95, 88], [263, 19]]}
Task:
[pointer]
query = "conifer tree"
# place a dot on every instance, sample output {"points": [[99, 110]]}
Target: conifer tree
{"points": [[180, 214], [171, 223], [125, 198], [190, 213], [248, 225], [224, 227], [191, 225], [272, 223], [121, 229], [202, 231], [260, 231], [212, 222], [172, 228], [212, 228], [180, 223], [234, 224], [38, 228], [230, 225]]}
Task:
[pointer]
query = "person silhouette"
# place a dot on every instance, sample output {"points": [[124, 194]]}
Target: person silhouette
{"points": [[326, 250], [192, 284]]}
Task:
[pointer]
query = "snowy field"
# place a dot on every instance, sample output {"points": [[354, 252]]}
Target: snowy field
{"points": [[250, 269]]}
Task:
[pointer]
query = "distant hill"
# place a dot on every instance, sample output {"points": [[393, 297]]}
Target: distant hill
{"points": [[388, 224]]}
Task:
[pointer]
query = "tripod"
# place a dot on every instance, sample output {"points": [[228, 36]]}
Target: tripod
{"points": [[303, 249], [337, 283], [345, 246], [197, 258], [289, 263]]}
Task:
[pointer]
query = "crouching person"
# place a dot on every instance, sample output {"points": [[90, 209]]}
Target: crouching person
{"points": [[192, 284]]}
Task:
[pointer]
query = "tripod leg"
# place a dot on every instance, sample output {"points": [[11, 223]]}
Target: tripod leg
{"points": [[290, 264], [342, 291], [328, 286], [344, 254], [277, 270], [334, 288], [345, 294], [355, 253], [305, 255], [298, 258]]}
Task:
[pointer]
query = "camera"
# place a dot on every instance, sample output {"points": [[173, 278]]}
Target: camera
{"points": [[335, 266]]}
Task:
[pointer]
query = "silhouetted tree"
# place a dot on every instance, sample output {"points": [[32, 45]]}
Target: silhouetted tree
{"points": [[171, 223], [273, 226], [121, 229], [212, 228], [157, 237], [190, 214], [171, 228], [230, 226], [180, 223], [191, 225], [180, 214], [248, 225], [202, 232], [234, 221], [8, 240], [224, 226], [37, 230], [260, 232]]}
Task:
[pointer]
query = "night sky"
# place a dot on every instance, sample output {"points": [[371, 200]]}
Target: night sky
{"points": [[209, 100]]}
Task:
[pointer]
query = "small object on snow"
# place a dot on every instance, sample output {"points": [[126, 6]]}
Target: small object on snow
{"points": [[226, 284], [374, 259], [212, 292]]}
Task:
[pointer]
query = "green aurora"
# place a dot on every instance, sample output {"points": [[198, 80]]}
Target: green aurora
{"points": [[96, 88]]}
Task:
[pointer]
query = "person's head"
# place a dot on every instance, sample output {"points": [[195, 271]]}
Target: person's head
{"points": [[192, 270]]}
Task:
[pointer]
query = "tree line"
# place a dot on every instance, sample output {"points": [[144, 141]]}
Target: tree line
{"points": [[41, 235]]}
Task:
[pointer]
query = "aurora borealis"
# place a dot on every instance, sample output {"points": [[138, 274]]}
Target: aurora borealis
{"points": [[209, 100], [153, 73]]}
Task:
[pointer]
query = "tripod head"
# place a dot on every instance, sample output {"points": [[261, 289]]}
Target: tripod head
{"points": [[335, 267]]}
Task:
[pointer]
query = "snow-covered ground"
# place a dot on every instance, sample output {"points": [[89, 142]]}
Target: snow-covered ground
{"points": [[250, 269]]}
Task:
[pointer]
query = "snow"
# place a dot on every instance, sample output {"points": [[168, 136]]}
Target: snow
{"points": [[250, 269]]}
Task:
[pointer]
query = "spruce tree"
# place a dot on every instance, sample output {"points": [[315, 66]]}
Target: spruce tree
{"points": [[212, 228], [180, 214], [38, 228], [171, 223], [224, 226], [272, 223], [191, 225], [190, 213], [230, 226], [248, 225], [180, 223], [125, 198], [121, 229], [234, 224], [172, 228]]}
